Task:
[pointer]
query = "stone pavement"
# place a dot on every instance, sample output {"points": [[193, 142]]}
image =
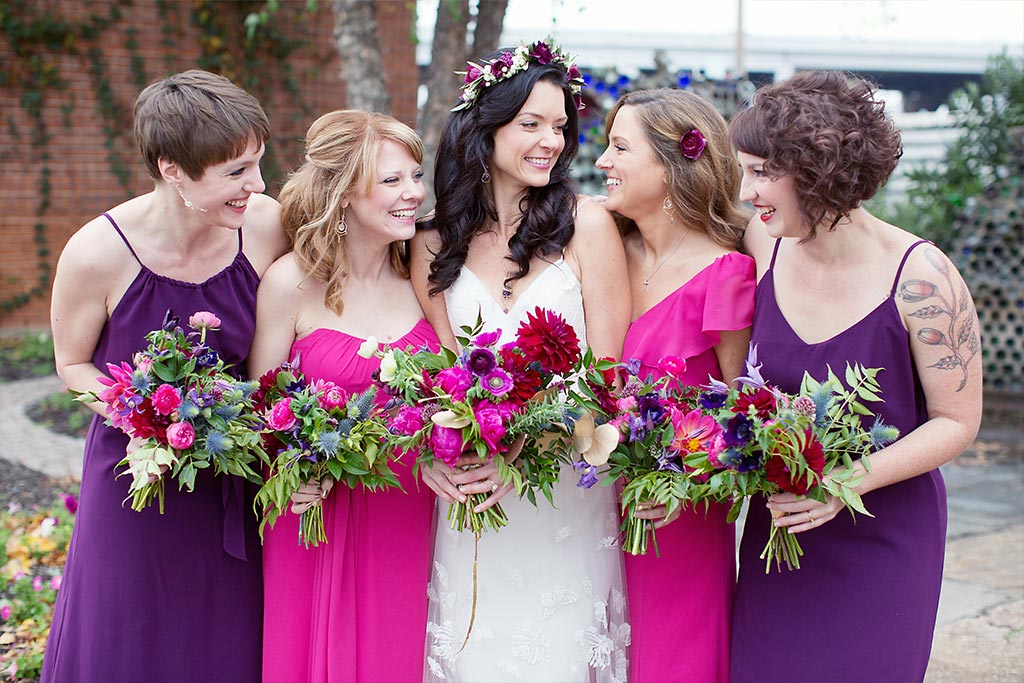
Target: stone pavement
{"points": [[979, 637]]}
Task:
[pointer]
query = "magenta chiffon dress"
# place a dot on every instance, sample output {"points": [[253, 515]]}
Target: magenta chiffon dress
{"points": [[862, 606], [353, 610], [680, 602], [172, 597]]}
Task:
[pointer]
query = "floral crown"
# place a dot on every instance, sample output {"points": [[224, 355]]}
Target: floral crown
{"points": [[508, 64]]}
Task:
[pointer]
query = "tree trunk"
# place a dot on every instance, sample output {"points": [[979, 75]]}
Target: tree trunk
{"points": [[490, 17], [448, 54], [362, 63]]}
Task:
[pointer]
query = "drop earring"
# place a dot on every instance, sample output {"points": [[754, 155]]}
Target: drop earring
{"points": [[486, 177], [187, 202], [342, 225], [668, 208]]}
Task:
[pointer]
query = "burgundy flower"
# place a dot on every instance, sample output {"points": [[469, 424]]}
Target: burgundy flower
{"points": [[574, 73], [762, 399], [692, 144], [500, 65], [541, 53], [481, 362], [776, 470], [525, 380], [472, 74], [145, 423], [546, 338]]}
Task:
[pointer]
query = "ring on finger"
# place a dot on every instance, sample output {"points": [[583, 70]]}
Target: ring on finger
{"points": [[494, 486], [810, 517]]}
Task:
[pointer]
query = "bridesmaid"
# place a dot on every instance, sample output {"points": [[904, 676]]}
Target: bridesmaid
{"points": [[838, 285], [353, 609], [145, 595], [674, 182]]}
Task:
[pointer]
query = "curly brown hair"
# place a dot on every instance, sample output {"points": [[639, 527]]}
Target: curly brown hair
{"points": [[829, 132]]}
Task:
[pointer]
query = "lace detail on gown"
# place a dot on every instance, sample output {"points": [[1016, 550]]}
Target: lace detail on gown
{"points": [[550, 602]]}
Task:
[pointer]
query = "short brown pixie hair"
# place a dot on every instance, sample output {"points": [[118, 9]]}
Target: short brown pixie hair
{"points": [[829, 132], [196, 119]]}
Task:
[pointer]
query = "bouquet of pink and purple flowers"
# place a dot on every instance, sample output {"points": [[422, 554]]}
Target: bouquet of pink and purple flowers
{"points": [[482, 401], [188, 413], [317, 432]]}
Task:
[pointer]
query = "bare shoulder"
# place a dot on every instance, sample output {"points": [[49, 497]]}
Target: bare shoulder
{"points": [[284, 275], [426, 241], [96, 250], [264, 240], [593, 220], [758, 243]]}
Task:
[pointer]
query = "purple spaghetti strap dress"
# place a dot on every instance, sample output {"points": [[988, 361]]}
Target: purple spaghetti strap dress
{"points": [[174, 597], [863, 605], [353, 610], [680, 602]]}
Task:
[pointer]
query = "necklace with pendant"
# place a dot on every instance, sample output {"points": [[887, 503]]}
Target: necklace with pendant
{"points": [[648, 276]]}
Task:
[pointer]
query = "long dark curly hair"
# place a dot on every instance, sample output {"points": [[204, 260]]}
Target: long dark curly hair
{"points": [[829, 131], [464, 206]]}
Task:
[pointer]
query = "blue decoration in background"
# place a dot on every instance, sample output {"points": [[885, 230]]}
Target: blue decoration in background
{"points": [[623, 81], [600, 86], [684, 80]]}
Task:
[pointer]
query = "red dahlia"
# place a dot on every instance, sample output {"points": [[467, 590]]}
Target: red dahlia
{"points": [[546, 338], [779, 471]]}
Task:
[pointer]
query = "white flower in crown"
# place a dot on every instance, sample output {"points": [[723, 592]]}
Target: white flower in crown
{"points": [[508, 64]]}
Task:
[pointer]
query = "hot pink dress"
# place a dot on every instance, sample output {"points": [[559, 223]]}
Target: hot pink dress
{"points": [[353, 609], [680, 603]]}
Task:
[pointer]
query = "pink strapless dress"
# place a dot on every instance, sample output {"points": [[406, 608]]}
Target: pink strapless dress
{"points": [[353, 609]]}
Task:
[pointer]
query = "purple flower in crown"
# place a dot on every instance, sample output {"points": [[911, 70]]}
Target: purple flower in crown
{"points": [[692, 144], [472, 74], [574, 73], [500, 65], [541, 52]]}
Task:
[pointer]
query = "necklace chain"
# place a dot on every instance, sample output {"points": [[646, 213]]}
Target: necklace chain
{"points": [[648, 276]]}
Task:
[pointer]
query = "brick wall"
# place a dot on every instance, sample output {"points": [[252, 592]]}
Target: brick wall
{"points": [[90, 139]]}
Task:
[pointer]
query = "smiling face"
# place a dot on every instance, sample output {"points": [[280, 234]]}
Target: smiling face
{"points": [[222, 192], [388, 211], [527, 147], [774, 199], [636, 179]]}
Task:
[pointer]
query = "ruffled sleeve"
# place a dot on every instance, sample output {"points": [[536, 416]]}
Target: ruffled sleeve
{"points": [[688, 323], [729, 293]]}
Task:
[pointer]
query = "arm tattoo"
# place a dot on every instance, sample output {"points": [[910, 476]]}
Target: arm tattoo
{"points": [[960, 336]]}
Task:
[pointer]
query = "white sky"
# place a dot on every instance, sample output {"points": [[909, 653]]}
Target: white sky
{"points": [[993, 22]]}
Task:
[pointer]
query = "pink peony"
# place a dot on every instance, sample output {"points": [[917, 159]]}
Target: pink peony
{"points": [[204, 320], [492, 426], [331, 396], [408, 420], [165, 399], [672, 365], [143, 362], [455, 382], [180, 435], [446, 443], [281, 417]]}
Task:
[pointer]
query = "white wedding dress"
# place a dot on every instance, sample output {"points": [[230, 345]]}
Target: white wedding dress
{"points": [[551, 604]]}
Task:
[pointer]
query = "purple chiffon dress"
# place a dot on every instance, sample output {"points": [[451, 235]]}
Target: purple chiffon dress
{"points": [[862, 607], [174, 597]]}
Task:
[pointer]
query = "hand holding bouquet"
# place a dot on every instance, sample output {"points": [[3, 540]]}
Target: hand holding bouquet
{"points": [[317, 434], [187, 413], [480, 402], [771, 442]]}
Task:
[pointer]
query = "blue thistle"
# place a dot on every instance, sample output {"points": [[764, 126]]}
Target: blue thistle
{"points": [[882, 434], [217, 443], [229, 411], [188, 410], [327, 443], [141, 382]]}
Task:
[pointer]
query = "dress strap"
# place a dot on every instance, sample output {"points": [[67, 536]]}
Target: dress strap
{"points": [[899, 271], [775, 252], [125, 239], [239, 239]]}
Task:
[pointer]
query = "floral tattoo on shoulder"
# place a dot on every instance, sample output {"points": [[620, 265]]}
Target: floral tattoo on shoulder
{"points": [[953, 316]]}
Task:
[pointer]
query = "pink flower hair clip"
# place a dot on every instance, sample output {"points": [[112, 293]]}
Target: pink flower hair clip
{"points": [[692, 144]]}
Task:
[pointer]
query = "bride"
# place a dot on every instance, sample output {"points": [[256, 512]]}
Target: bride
{"points": [[508, 236]]}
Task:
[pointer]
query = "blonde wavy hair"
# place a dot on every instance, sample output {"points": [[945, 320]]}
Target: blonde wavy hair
{"points": [[342, 149], [704, 192]]}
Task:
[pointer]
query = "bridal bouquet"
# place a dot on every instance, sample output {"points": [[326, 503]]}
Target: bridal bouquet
{"points": [[645, 433], [481, 402], [189, 414], [767, 442], [315, 431]]}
